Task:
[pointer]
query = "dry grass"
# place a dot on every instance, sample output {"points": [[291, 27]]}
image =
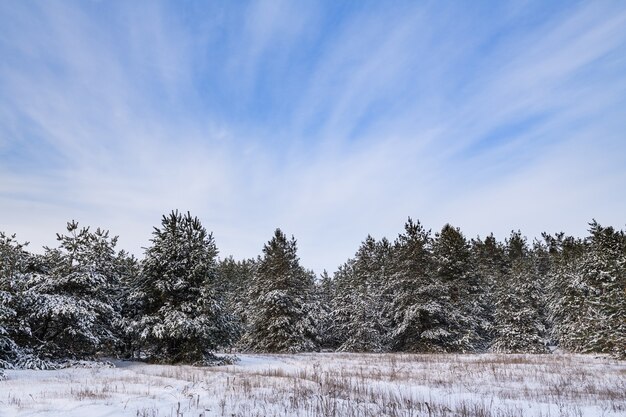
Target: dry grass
{"points": [[349, 385]]}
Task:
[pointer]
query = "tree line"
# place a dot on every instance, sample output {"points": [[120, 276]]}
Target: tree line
{"points": [[423, 292]]}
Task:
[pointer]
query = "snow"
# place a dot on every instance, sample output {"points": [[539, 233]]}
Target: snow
{"points": [[328, 384]]}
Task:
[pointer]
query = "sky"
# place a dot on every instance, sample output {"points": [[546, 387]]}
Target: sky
{"points": [[329, 119]]}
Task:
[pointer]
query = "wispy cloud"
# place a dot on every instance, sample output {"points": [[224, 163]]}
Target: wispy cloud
{"points": [[329, 121]]}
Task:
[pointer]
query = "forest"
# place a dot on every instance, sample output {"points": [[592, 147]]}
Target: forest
{"points": [[423, 292]]}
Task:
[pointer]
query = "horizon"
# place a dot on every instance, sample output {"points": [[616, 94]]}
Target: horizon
{"points": [[391, 239]]}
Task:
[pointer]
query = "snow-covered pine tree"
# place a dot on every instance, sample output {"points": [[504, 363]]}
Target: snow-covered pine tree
{"points": [[438, 300], [235, 279], [129, 306], [464, 315], [8, 347], [519, 324], [355, 324], [411, 289], [341, 305], [326, 287], [603, 269], [279, 318], [439, 304], [358, 315], [181, 316], [379, 283], [73, 308], [490, 266], [12, 265], [543, 263], [324, 294], [566, 291]]}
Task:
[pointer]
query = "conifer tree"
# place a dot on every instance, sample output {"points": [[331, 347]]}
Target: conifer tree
{"points": [[519, 324], [12, 266], [341, 306], [73, 305], [490, 266], [181, 314], [360, 309], [438, 300], [280, 318], [235, 280], [566, 296], [323, 295], [411, 289], [601, 274], [464, 310], [129, 307]]}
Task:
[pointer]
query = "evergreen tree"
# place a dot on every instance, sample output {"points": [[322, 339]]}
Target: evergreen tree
{"points": [[463, 319], [72, 306], [280, 318], [129, 306], [341, 305], [8, 348], [595, 284], [236, 278], [439, 304], [566, 295], [412, 291], [12, 265], [519, 324], [606, 273], [181, 314], [326, 288], [359, 317], [490, 266], [323, 297]]}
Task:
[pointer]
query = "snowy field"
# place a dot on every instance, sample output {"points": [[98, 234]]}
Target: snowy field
{"points": [[329, 385]]}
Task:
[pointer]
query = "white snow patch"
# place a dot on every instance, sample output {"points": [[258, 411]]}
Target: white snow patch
{"points": [[328, 384]]}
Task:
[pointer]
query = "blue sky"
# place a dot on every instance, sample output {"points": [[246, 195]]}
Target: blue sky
{"points": [[330, 120]]}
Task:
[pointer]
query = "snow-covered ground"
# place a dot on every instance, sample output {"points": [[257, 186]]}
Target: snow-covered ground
{"points": [[330, 384]]}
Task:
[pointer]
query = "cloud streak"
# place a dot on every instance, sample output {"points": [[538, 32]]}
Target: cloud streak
{"points": [[330, 122]]}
